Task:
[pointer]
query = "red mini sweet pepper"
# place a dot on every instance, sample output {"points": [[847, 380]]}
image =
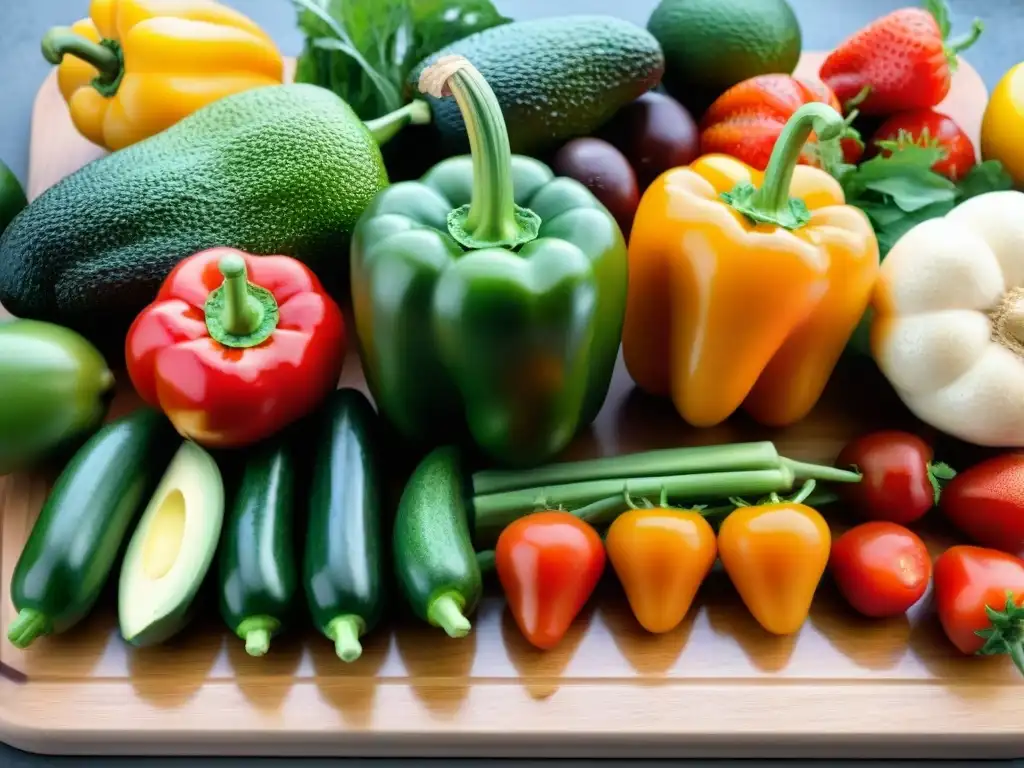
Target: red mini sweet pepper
{"points": [[236, 347]]}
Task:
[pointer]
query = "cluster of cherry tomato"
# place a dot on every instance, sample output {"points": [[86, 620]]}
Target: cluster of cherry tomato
{"points": [[882, 567]]}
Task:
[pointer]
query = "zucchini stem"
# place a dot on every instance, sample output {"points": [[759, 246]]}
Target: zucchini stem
{"points": [[345, 632], [495, 511], [665, 461], [445, 611], [28, 626], [257, 631]]}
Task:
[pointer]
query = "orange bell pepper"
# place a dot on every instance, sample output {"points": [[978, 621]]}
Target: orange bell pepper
{"points": [[136, 67], [661, 556], [775, 554], [744, 287]]}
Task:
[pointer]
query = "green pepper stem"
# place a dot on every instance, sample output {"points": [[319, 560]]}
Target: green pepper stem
{"points": [[345, 631], [28, 626], [257, 631], [495, 511], [61, 41], [804, 471], [390, 125], [665, 461], [773, 196], [445, 611], [241, 314], [492, 218]]}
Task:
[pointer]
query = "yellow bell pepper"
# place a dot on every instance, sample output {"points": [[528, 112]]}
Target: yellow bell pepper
{"points": [[136, 67], [1003, 124], [744, 287]]}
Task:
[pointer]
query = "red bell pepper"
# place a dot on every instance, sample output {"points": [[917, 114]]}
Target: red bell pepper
{"points": [[548, 564], [236, 347]]}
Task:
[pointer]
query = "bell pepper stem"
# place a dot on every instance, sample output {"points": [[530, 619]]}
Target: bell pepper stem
{"points": [[28, 626], [772, 204], [241, 314], [256, 631], [238, 313], [492, 218], [105, 57], [445, 611], [345, 631], [385, 128]]}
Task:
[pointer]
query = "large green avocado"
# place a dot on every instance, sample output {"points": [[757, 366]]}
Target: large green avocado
{"points": [[555, 78], [277, 170]]}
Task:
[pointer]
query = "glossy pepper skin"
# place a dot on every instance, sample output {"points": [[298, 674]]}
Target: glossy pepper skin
{"points": [[745, 287], [477, 316], [236, 347], [661, 556], [775, 553], [548, 564], [136, 67]]}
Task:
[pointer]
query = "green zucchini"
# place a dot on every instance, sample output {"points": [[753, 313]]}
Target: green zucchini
{"points": [[343, 567], [435, 563], [75, 542], [258, 574]]}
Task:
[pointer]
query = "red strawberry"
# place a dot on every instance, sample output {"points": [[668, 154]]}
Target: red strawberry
{"points": [[927, 128], [902, 58]]}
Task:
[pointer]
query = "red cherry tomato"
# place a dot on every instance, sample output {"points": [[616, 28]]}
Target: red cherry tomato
{"points": [[880, 568], [987, 503], [548, 564], [900, 481], [981, 590], [929, 128]]}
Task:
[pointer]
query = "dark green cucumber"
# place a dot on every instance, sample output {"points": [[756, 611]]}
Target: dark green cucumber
{"points": [[434, 559], [75, 542], [258, 573], [343, 568]]}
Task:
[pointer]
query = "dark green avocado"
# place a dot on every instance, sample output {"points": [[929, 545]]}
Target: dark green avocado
{"points": [[276, 170], [555, 78]]}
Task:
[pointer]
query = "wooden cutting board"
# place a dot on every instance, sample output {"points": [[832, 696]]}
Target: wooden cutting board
{"points": [[718, 686]]}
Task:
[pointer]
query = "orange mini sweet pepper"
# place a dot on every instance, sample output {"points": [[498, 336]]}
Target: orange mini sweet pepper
{"points": [[136, 67], [744, 287]]}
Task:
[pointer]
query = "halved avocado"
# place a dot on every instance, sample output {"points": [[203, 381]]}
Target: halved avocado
{"points": [[172, 548]]}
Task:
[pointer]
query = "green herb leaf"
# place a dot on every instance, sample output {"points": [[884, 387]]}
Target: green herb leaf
{"points": [[989, 176], [364, 50]]}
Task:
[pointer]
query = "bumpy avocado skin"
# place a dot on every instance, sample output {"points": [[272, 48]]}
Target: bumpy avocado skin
{"points": [[277, 170], [555, 78]]}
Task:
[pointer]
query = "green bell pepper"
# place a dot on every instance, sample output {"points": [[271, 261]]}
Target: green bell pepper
{"points": [[489, 295]]}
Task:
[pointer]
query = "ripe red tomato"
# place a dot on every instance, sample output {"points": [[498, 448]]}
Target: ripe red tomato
{"points": [[969, 580], [900, 481], [880, 568], [987, 503], [929, 128]]}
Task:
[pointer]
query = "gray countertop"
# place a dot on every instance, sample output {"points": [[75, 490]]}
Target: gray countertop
{"points": [[825, 23]]}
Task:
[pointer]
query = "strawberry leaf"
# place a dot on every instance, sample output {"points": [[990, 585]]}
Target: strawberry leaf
{"points": [[940, 11]]}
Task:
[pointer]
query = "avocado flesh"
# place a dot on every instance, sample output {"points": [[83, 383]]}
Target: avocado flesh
{"points": [[276, 170], [171, 551]]}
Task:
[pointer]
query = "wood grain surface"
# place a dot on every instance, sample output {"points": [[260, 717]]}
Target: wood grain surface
{"points": [[716, 686]]}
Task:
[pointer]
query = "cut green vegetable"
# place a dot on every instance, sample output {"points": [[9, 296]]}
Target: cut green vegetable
{"points": [[172, 549]]}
